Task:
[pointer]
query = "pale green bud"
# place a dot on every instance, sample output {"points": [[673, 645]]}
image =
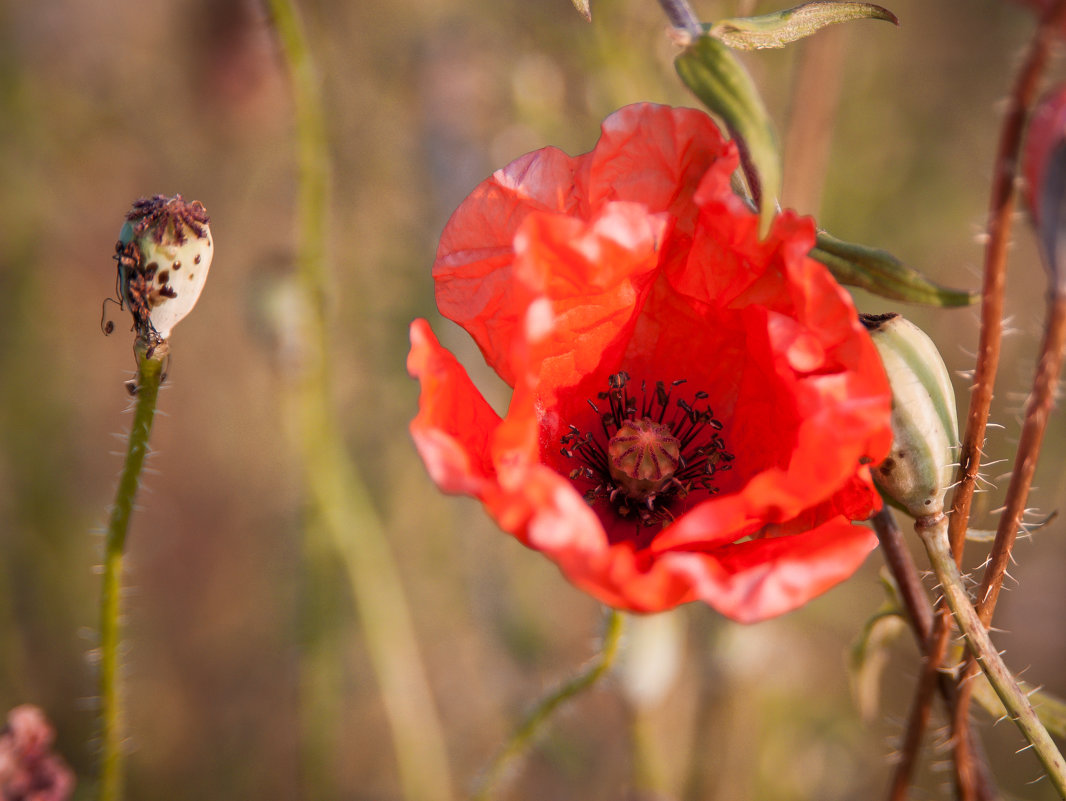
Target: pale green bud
{"points": [[925, 428]]}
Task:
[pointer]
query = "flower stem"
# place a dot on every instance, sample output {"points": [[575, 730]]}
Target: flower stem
{"points": [[1001, 210], [934, 534], [933, 640], [112, 712], [681, 16], [905, 573], [341, 520], [1037, 412], [1000, 216], [527, 730]]}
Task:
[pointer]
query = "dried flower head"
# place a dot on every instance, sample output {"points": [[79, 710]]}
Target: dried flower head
{"points": [[29, 771]]}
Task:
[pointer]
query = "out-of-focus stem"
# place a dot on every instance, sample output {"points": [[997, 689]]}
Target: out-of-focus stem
{"points": [[682, 17], [935, 649], [934, 534], [905, 573], [112, 711], [340, 503], [814, 98], [527, 730]]}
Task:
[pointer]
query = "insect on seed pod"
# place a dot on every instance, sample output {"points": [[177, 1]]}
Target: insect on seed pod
{"points": [[164, 253]]}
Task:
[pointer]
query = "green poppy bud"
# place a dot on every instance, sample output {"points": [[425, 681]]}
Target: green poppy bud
{"points": [[925, 427]]}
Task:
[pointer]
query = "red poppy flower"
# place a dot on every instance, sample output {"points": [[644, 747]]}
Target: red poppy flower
{"points": [[693, 407]]}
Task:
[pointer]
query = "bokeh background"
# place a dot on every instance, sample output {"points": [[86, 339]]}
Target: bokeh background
{"points": [[889, 136]]}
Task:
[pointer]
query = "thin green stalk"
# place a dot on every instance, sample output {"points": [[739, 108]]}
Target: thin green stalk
{"points": [[522, 737], [340, 504], [934, 534], [681, 16], [112, 712]]}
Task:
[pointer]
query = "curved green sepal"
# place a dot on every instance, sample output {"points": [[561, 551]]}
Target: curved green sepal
{"points": [[783, 27], [869, 655], [583, 9], [881, 273], [721, 83]]}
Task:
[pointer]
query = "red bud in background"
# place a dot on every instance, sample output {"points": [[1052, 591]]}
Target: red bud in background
{"points": [[1044, 168]]}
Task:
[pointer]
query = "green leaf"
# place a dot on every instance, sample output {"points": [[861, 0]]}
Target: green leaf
{"points": [[782, 27], [583, 9], [722, 84], [1049, 708], [881, 273], [988, 535]]}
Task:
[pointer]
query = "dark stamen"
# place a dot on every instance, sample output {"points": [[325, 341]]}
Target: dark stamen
{"points": [[656, 450]]}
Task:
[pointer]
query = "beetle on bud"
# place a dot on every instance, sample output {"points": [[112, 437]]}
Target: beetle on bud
{"points": [[164, 252], [925, 428]]}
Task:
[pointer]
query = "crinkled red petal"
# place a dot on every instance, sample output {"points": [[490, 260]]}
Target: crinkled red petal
{"points": [[654, 155], [454, 425]]}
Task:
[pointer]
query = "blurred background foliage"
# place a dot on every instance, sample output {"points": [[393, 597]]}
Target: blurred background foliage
{"points": [[103, 102]]}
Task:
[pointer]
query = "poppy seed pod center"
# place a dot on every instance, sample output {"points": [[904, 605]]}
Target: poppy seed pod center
{"points": [[655, 450], [643, 457]]}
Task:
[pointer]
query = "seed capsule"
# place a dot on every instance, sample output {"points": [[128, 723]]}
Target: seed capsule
{"points": [[918, 470], [164, 252]]}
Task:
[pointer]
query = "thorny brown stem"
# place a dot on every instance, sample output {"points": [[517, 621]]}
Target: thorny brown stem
{"points": [[1000, 212], [1037, 412], [921, 708], [901, 564], [1001, 209]]}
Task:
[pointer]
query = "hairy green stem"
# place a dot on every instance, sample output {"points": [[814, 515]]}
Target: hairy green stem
{"points": [[342, 520], [112, 712], [934, 534], [933, 641], [522, 737]]}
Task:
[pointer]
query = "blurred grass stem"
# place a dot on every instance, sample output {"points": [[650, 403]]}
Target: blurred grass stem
{"points": [[341, 507], [813, 102], [523, 736], [112, 710]]}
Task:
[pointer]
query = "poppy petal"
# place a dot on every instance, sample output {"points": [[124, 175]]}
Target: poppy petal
{"points": [[454, 425]]}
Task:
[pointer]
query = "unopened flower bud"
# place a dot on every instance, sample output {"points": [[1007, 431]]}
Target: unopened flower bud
{"points": [[925, 428], [164, 252], [1044, 163]]}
